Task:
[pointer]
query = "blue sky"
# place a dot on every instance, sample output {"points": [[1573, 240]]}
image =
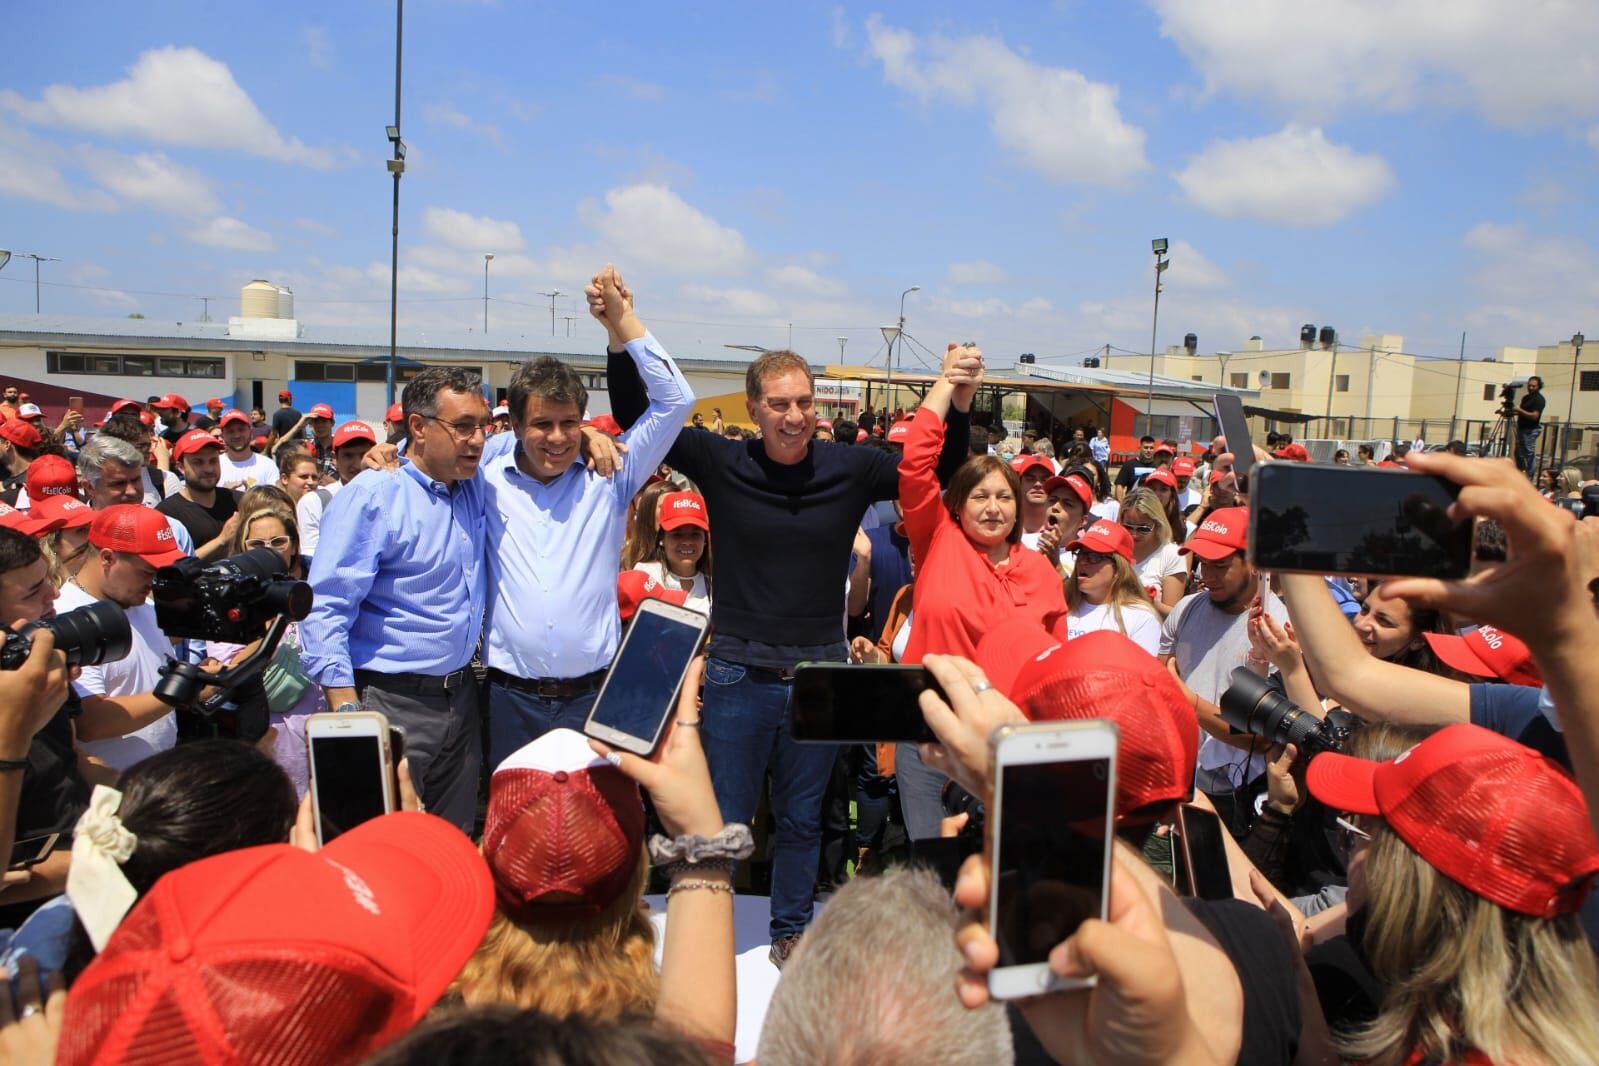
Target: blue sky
{"points": [[1416, 168]]}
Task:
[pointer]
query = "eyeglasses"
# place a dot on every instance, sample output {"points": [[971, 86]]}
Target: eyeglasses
{"points": [[1350, 835], [1084, 555], [461, 431], [275, 543], [1139, 531]]}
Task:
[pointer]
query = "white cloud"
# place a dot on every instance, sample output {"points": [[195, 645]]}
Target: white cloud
{"points": [[738, 302], [1518, 64], [414, 279], [1530, 288], [224, 232], [318, 46], [976, 272], [652, 225], [803, 280], [316, 228], [1192, 270], [1295, 177], [1055, 120], [30, 170], [171, 96], [471, 233], [152, 180], [449, 115], [635, 89]]}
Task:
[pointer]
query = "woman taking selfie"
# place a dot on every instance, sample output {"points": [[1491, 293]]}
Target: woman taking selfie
{"points": [[1104, 592], [974, 573], [1159, 565]]}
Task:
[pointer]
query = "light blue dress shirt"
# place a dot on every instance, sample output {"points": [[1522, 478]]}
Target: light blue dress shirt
{"points": [[398, 576], [554, 549]]}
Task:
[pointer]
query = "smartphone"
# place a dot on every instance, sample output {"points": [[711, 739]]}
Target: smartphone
{"points": [[640, 691], [1356, 521], [1235, 427], [849, 703], [1200, 854], [32, 851], [1050, 839], [75, 403], [352, 779]]}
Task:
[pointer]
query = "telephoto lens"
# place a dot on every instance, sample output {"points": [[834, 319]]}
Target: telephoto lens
{"points": [[91, 635], [1253, 705]]}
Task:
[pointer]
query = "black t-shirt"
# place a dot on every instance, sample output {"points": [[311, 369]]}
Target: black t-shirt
{"points": [[1132, 470], [54, 794], [203, 523], [1260, 955], [1532, 401], [1513, 711], [11, 487], [283, 420]]}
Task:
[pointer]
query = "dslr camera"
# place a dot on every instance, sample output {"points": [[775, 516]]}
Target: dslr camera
{"points": [[89, 636], [1253, 705]]}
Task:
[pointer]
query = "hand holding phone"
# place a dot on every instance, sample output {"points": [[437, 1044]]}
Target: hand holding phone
{"points": [[352, 780], [869, 703], [641, 688]]}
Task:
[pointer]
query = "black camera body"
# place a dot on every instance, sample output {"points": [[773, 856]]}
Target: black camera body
{"points": [[1254, 705], [232, 600], [93, 634]]}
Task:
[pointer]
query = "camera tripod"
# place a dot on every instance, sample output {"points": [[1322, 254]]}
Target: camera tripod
{"points": [[1498, 440]]}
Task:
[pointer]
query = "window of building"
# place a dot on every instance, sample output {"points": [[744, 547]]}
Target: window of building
{"points": [[1280, 381], [138, 366], [1488, 393], [1588, 381], [1239, 381], [1341, 383], [1197, 377], [313, 370]]}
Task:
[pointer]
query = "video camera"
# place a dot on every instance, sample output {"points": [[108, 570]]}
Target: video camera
{"points": [[91, 635], [239, 600], [1254, 705]]}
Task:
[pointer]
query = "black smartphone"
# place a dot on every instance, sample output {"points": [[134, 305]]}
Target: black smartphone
{"points": [[1200, 855], [640, 691], [849, 703], [1356, 521], [352, 776], [32, 851], [1235, 427]]}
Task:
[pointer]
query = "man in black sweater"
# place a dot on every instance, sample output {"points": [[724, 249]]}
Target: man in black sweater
{"points": [[784, 510]]}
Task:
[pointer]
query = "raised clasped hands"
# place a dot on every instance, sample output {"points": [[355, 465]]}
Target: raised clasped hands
{"points": [[611, 302]]}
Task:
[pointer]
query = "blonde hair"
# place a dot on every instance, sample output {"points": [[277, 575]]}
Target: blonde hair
{"points": [[1568, 480], [56, 561], [1126, 590], [644, 527], [601, 969], [1146, 503], [1462, 973]]}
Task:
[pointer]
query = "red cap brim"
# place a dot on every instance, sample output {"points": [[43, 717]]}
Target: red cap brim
{"points": [[1344, 782], [160, 559], [1207, 549], [1455, 652]]}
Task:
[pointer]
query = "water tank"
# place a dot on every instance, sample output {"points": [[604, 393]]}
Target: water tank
{"points": [[259, 299], [1329, 336], [1026, 357], [1191, 342], [285, 302], [1307, 335]]}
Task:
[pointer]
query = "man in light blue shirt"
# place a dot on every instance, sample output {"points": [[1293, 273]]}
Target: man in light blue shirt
{"points": [[555, 534], [399, 579]]}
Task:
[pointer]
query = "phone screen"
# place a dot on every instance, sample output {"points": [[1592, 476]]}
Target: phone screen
{"points": [[1349, 520], [1050, 869], [349, 788], [26, 853], [1208, 873], [641, 688], [1235, 428], [844, 704]]}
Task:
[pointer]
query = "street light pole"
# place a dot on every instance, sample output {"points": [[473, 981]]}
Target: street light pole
{"points": [[396, 167], [552, 294], [899, 332], [487, 258], [5, 257], [1158, 246], [1577, 340]]}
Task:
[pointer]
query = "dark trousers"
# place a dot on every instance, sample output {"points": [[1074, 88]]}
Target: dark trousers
{"points": [[518, 717], [443, 745], [1527, 449]]}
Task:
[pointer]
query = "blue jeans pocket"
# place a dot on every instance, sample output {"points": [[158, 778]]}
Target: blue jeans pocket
{"points": [[721, 672]]}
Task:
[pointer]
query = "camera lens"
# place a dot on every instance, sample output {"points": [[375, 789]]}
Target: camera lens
{"points": [[89, 636]]}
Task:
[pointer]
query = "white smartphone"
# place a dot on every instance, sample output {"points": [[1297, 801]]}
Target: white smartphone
{"points": [[641, 688], [352, 779], [1050, 838]]}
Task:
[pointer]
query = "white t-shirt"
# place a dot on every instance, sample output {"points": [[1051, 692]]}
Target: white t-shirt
{"points": [[1162, 563], [699, 590], [1189, 497], [256, 470], [1143, 624], [137, 673], [308, 516], [1109, 510]]}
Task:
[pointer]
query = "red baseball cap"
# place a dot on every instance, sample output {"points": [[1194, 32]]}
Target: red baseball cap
{"points": [[214, 401], [1224, 531], [1295, 453], [233, 414], [860, 435], [50, 475], [824, 423], [285, 395], [1163, 446], [137, 530], [1488, 652], [683, 509], [633, 587], [321, 410], [22, 434], [62, 512], [1498, 818], [564, 831], [1217, 475], [1390, 462], [1182, 466], [1102, 675], [281, 954], [1023, 463], [194, 441], [30, 412], [1106, 538], [395, 413], [899, 431], [354, 430], [1162, 477], [173, 401], [120, 404], [25, 522], [1077, 483]]}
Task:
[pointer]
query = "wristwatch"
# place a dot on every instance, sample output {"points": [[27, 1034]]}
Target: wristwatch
{"points": [[347, 706]]}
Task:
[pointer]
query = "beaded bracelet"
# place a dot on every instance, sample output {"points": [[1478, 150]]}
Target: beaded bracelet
{"points": [[687, 886]]}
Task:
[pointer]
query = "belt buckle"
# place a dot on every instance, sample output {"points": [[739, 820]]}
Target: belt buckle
{"points": [[452, 680], [548, 688]]}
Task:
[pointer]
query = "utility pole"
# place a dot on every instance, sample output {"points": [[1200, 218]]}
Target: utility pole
{"points": [[1332, 380], [1460, 373], [488, 257], [552, 294], [1158, 246], [396, 167], [568, 319], [205, 308]]}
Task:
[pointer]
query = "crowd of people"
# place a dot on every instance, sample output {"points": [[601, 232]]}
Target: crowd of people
{"points": [[1413, 887]]}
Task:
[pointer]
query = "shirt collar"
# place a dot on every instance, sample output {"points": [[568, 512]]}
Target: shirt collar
{"points": [[437, 488], [511, 468]]}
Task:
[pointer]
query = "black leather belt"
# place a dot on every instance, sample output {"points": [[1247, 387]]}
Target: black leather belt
{"points": [[428, 683], [550, 688]]}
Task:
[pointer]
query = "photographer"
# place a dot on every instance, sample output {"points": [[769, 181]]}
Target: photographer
{"points": [[1529, 423]]}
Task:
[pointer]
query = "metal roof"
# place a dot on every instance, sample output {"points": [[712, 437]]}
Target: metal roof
{"points": [[1128, 381]]}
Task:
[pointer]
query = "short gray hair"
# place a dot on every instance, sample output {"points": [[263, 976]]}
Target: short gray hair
{"points": [[873, 982], [102, 450]]}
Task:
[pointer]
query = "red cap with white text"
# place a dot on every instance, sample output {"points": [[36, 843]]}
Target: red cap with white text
{"points": [[679, 509], [321, 410], [136, 530], [1023, 463], [352, 431], [1106, 538], [1224, 531], [50, 475], [899, 431], [633, 587], [233, 414], [1077, 483], [1488, 652], [194, 441]]}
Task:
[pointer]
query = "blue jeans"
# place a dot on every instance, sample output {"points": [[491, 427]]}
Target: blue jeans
{"points": [[921, 793], [744, 727], [1526, 448], [517, 718]]}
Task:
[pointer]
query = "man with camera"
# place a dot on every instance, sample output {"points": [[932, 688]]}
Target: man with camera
{"points": [[1529, 423]]}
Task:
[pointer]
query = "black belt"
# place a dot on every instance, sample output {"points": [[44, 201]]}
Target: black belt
{"points": [[550, 688], [427, 683]]}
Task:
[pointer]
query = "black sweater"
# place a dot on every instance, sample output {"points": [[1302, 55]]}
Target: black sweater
{"points": [[783, 533]]}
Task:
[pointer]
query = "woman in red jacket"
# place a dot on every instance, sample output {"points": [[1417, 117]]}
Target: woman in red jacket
{"points": [[973, 572]]}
